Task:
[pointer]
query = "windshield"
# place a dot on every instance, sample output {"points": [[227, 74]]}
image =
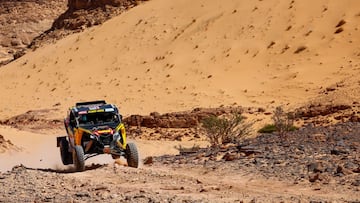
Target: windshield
{"points": [[95, 119]]}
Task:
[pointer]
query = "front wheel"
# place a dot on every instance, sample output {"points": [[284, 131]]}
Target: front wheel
{"points": [[132, 155], [78, 156]]}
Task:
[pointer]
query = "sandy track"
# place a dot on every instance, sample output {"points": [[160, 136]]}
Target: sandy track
{"points": [[39, 149]]}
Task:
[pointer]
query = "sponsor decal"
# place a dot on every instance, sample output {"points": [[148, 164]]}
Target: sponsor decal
{"points": [[96, 111], [93, 107], [109, 110]]}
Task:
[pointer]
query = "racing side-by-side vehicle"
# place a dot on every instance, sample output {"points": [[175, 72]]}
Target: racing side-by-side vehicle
{"points": [[95, 128]]}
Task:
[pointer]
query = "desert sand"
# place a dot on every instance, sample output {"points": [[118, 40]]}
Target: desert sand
{"points": [[167, 56]]}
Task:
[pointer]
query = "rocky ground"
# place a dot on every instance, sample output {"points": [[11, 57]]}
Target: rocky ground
{"points": [[119, 184], [30, 24], [22, 21], [314, 164], [317, 163], [315, 155], [82, 14]]}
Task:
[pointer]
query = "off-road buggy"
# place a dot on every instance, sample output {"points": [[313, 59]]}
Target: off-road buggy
{"points": [[95, 128]]}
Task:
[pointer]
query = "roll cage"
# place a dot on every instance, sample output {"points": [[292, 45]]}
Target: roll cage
{"points": [[93, 114]]}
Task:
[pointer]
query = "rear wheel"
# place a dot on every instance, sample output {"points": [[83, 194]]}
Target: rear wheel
{"points": [[78, 156], [132, 155], [66, 156]]}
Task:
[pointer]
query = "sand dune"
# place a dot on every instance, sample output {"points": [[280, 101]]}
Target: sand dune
{"points": [[175, 55]]}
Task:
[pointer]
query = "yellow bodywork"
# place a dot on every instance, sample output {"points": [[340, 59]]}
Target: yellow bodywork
{"points": [[121, 129]]}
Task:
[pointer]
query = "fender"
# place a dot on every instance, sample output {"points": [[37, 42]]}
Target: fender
{"points": [[121, 128], [78, 133]]}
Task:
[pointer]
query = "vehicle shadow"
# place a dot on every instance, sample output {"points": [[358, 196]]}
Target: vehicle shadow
{"points": [[67, 170]]}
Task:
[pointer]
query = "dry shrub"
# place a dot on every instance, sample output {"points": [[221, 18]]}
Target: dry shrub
{"points": [[283, 121], [222, 130]]}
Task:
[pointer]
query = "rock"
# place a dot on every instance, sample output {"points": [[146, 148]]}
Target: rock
{"points": [[319, 137], [356, 170], [82, 194], [25, 40], [315, 201], [155, 114], [323, 110], [314, 177], [354, 118], [337, 152], [342, 170], [248, 150], [15, 42], [7, 145], [350, 165], [316, 167], [19, 54], [356, 183], [148, 121], [148, 160], [33, 119], [104, 195], [229, 157], [178, 138], [177, 119]]}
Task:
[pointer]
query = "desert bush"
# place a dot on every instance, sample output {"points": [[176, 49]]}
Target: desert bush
{"points": [[222, 130], [268, 128], [283, 121]]}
